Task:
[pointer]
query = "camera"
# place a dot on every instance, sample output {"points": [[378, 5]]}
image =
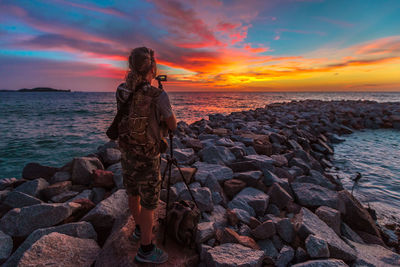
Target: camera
{"points": [[161, 78]]}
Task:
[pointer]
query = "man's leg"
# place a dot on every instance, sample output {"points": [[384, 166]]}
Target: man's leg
{"points": [[146, 224], [134, 206]]}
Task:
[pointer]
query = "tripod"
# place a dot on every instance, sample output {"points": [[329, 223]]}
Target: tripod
{"points": [[172, 161]]}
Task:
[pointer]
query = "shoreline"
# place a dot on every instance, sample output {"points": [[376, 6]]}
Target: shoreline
{"points": [[259, 175]]}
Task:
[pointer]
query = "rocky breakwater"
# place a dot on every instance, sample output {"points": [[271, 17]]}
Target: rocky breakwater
{"points": [[261, 179]]}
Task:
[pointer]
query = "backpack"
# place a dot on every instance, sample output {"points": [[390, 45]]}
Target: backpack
{"points": [[182, 221], [138, 131]]}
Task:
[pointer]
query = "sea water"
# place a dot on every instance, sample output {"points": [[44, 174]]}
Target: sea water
{"points": [[375, 154], [53, 127]]}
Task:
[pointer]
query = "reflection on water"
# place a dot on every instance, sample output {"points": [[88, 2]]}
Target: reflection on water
{"points": [[376, 155], [51, 128]]}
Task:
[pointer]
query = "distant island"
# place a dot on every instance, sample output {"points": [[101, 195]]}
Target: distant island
{"points": [[36, 89]]}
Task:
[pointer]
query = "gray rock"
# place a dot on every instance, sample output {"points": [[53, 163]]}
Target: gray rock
{"points": [[301, 164], [261, 161], [6, 246], [347, 232], [279, 196], [64, 196], [3, 194], [311, 195], [202, 195], [286, 255], [242, 215], [322, 263], [285, 229], [255, 198], [118, 178], [315, 178], [203, 251], [251, 178], [234, 255], [265, 230], [85, 194], [110, 155], [270, 178], [78, 229], [273, 209], [217, 155], [268, 247], [278, 243], [300, 255], [217, 198], [213, 184], [307, 223], [21, 222], [218, 217], [98, 194], [82, 168], [204, 231], [16, 199], [33, 188], [221, 173], [60, 250], [56, 189], [104, 214], [317, 247], [184, 155], [60, 177], [330, 216], [241, 204], [374, 255], [224, 141]]}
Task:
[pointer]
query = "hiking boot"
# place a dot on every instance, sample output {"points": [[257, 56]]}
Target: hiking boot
{"points": [[156, 255]]}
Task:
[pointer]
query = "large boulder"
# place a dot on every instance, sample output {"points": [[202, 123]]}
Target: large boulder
{"points": [[104, 214], [217, 155], [279, 196], [16, 199], [356, 216], [33, 188], [35, 170], [61, 176], [118, 178], [6, 246], [102, 178], [284, 228], [58, 249], [202, 196], [322, 263], [20, 222], [235, 255], [374, 255], [204, 231], [184, 155], [56, 189], [316, 247], [221, 173], [251, 178], [261, 161], [315, 178], [307, 223], [255, 198], [330, 216], [311, 195], [110, 155], [285, 256], [82, 168], [78, 229]]}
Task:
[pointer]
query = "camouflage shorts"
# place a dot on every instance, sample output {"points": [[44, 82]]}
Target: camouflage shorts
{"points": [[142, 178]]}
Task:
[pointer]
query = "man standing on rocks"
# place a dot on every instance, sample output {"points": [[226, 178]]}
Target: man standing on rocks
{"points": [[141, 141]]}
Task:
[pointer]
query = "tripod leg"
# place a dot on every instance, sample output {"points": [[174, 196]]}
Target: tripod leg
{"points": [[183, 178], [169, 166]]}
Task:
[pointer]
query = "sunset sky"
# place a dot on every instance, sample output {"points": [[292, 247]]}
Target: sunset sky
{"points": [[217, 45]]}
